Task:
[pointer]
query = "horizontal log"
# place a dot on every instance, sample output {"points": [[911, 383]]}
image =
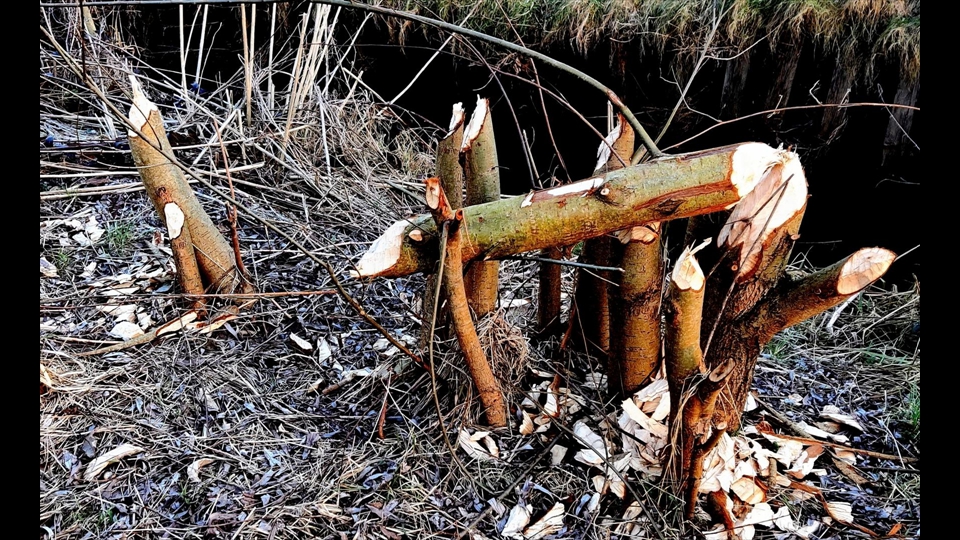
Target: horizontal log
{"points": [[676, 187]]}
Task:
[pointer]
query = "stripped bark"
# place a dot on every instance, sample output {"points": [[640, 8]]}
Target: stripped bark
{"points": [[184, 258], [488, 388], [482, 172], [449, 172], [671, 188], [214, 255]]}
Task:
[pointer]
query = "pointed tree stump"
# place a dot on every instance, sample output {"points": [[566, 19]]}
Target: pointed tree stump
{"points": [[165, 185], [482, 170]]}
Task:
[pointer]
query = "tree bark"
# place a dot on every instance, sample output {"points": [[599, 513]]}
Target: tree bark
{"points": [[215, 257], [789, 51], [796, 299], [671, 188], [692, 392], [549, 299], [590, 318], [483, 185], [757, 239], [635, 309], [635, 303], [901, 120], [734, 82], [488, 388], [448, 159], [184, 258], [841, 84]]}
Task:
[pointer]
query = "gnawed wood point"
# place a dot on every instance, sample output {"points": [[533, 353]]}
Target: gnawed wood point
{"points": [[863, 268]]}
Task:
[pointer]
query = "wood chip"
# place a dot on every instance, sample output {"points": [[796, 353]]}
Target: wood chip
{"points": [[550, 523], [99, 464], [193, 470], [301, 343]]}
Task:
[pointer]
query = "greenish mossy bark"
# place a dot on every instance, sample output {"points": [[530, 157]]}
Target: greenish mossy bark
{"points": [[671, 188]]}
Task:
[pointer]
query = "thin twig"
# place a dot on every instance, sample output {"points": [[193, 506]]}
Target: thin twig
{"points": [[231, 209], [792, 108], [562, 263], [693, 75]]}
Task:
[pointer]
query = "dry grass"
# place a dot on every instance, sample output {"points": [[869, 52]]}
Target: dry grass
{"points": [[883, 30], [286, 459]]}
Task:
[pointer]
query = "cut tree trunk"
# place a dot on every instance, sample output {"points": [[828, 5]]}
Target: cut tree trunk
{"points": [[635, 303], [590, 317], [451, 181], [483, 185], [164, 183], [591, 320], [671, 188], [693, 391], [448, 159], [750, 299], [184, 258], [549, 299], [716, 328], [488, 388], [635, 310]]}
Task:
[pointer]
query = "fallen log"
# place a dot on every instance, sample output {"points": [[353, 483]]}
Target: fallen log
{"points": [[671, 188]]}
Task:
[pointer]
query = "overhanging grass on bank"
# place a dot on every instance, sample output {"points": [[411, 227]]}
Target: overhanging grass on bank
{"points": [[879, 30]]}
